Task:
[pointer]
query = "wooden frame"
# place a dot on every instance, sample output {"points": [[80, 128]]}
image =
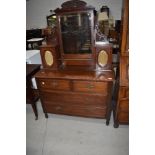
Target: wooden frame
{"points": [[66, 57], [121, 108]]}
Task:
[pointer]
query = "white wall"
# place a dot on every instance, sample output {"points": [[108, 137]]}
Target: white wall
{"points": [[37, 10]]}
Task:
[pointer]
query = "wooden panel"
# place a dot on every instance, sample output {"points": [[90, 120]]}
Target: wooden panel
{"points": [[124, 70], [125, 27], [123, 117], [89, 86], [52, 84], [87, 111], [124, 92], [108, 49], [124, 105], [122, 111], [68, 98], [55, 55], [79, 62]]}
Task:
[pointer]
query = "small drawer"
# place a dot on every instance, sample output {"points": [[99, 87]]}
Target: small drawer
{"points": [[90, 86], [52, 84], [124, 105]]}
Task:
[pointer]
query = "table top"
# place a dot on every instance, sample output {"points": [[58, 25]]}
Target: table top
{"points": [[76, 75], [31, 69], [31, 53]]}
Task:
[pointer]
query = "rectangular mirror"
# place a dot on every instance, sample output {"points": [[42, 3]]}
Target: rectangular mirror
{"points": [[76, 33]]}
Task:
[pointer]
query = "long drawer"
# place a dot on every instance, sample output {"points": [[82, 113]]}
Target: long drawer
{"points": [[53, 84], [90, 86], [88, 111], [68, 98]]}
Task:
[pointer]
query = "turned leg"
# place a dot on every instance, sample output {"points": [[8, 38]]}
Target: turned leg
{"points": [[109, 111], [116, 124], [107, 122], [46, 115], [35, 110]]}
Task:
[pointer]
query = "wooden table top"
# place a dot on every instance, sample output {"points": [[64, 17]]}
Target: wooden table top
{"points": [[75, 75]]}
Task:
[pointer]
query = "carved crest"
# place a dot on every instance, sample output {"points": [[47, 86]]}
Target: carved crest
{"points": [[73, 4]]}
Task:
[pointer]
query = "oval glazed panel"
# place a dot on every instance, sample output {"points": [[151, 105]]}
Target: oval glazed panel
{"points": [[49, 58], [102, 58]]}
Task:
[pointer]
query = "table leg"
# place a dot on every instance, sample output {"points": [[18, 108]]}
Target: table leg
{"points": [[34, 107]]}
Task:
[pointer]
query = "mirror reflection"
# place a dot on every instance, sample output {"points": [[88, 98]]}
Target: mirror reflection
{"points": [[76, 33]]}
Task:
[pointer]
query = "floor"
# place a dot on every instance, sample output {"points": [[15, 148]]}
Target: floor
{"points": [[67, 135]]}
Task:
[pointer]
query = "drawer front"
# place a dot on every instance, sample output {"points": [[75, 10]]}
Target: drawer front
{"points": [[124, 105], [52, 84], [90, 86], [68, 98], [87, 111]]}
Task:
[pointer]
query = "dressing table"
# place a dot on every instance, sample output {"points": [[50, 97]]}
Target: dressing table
{"points": [[77, 76]]}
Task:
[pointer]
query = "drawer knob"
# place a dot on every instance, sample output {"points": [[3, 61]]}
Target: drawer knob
{"points": [[42, 83]]}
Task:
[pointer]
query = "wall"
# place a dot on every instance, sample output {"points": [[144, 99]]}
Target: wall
{"points": [[37, 10]]}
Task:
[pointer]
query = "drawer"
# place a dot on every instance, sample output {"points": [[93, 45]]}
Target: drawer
{"points": [[87, 111], [90, 86], [72, 98], [52, 84], [124, 105]]}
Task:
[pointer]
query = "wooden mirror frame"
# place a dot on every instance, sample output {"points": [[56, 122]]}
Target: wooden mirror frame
{"points": [[82, 59]]}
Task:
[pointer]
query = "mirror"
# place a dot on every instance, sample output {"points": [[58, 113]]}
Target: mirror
{"points": [[76, 33]]}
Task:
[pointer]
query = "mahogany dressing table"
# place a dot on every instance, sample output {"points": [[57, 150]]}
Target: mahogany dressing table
{"points": [[77, 75]]}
